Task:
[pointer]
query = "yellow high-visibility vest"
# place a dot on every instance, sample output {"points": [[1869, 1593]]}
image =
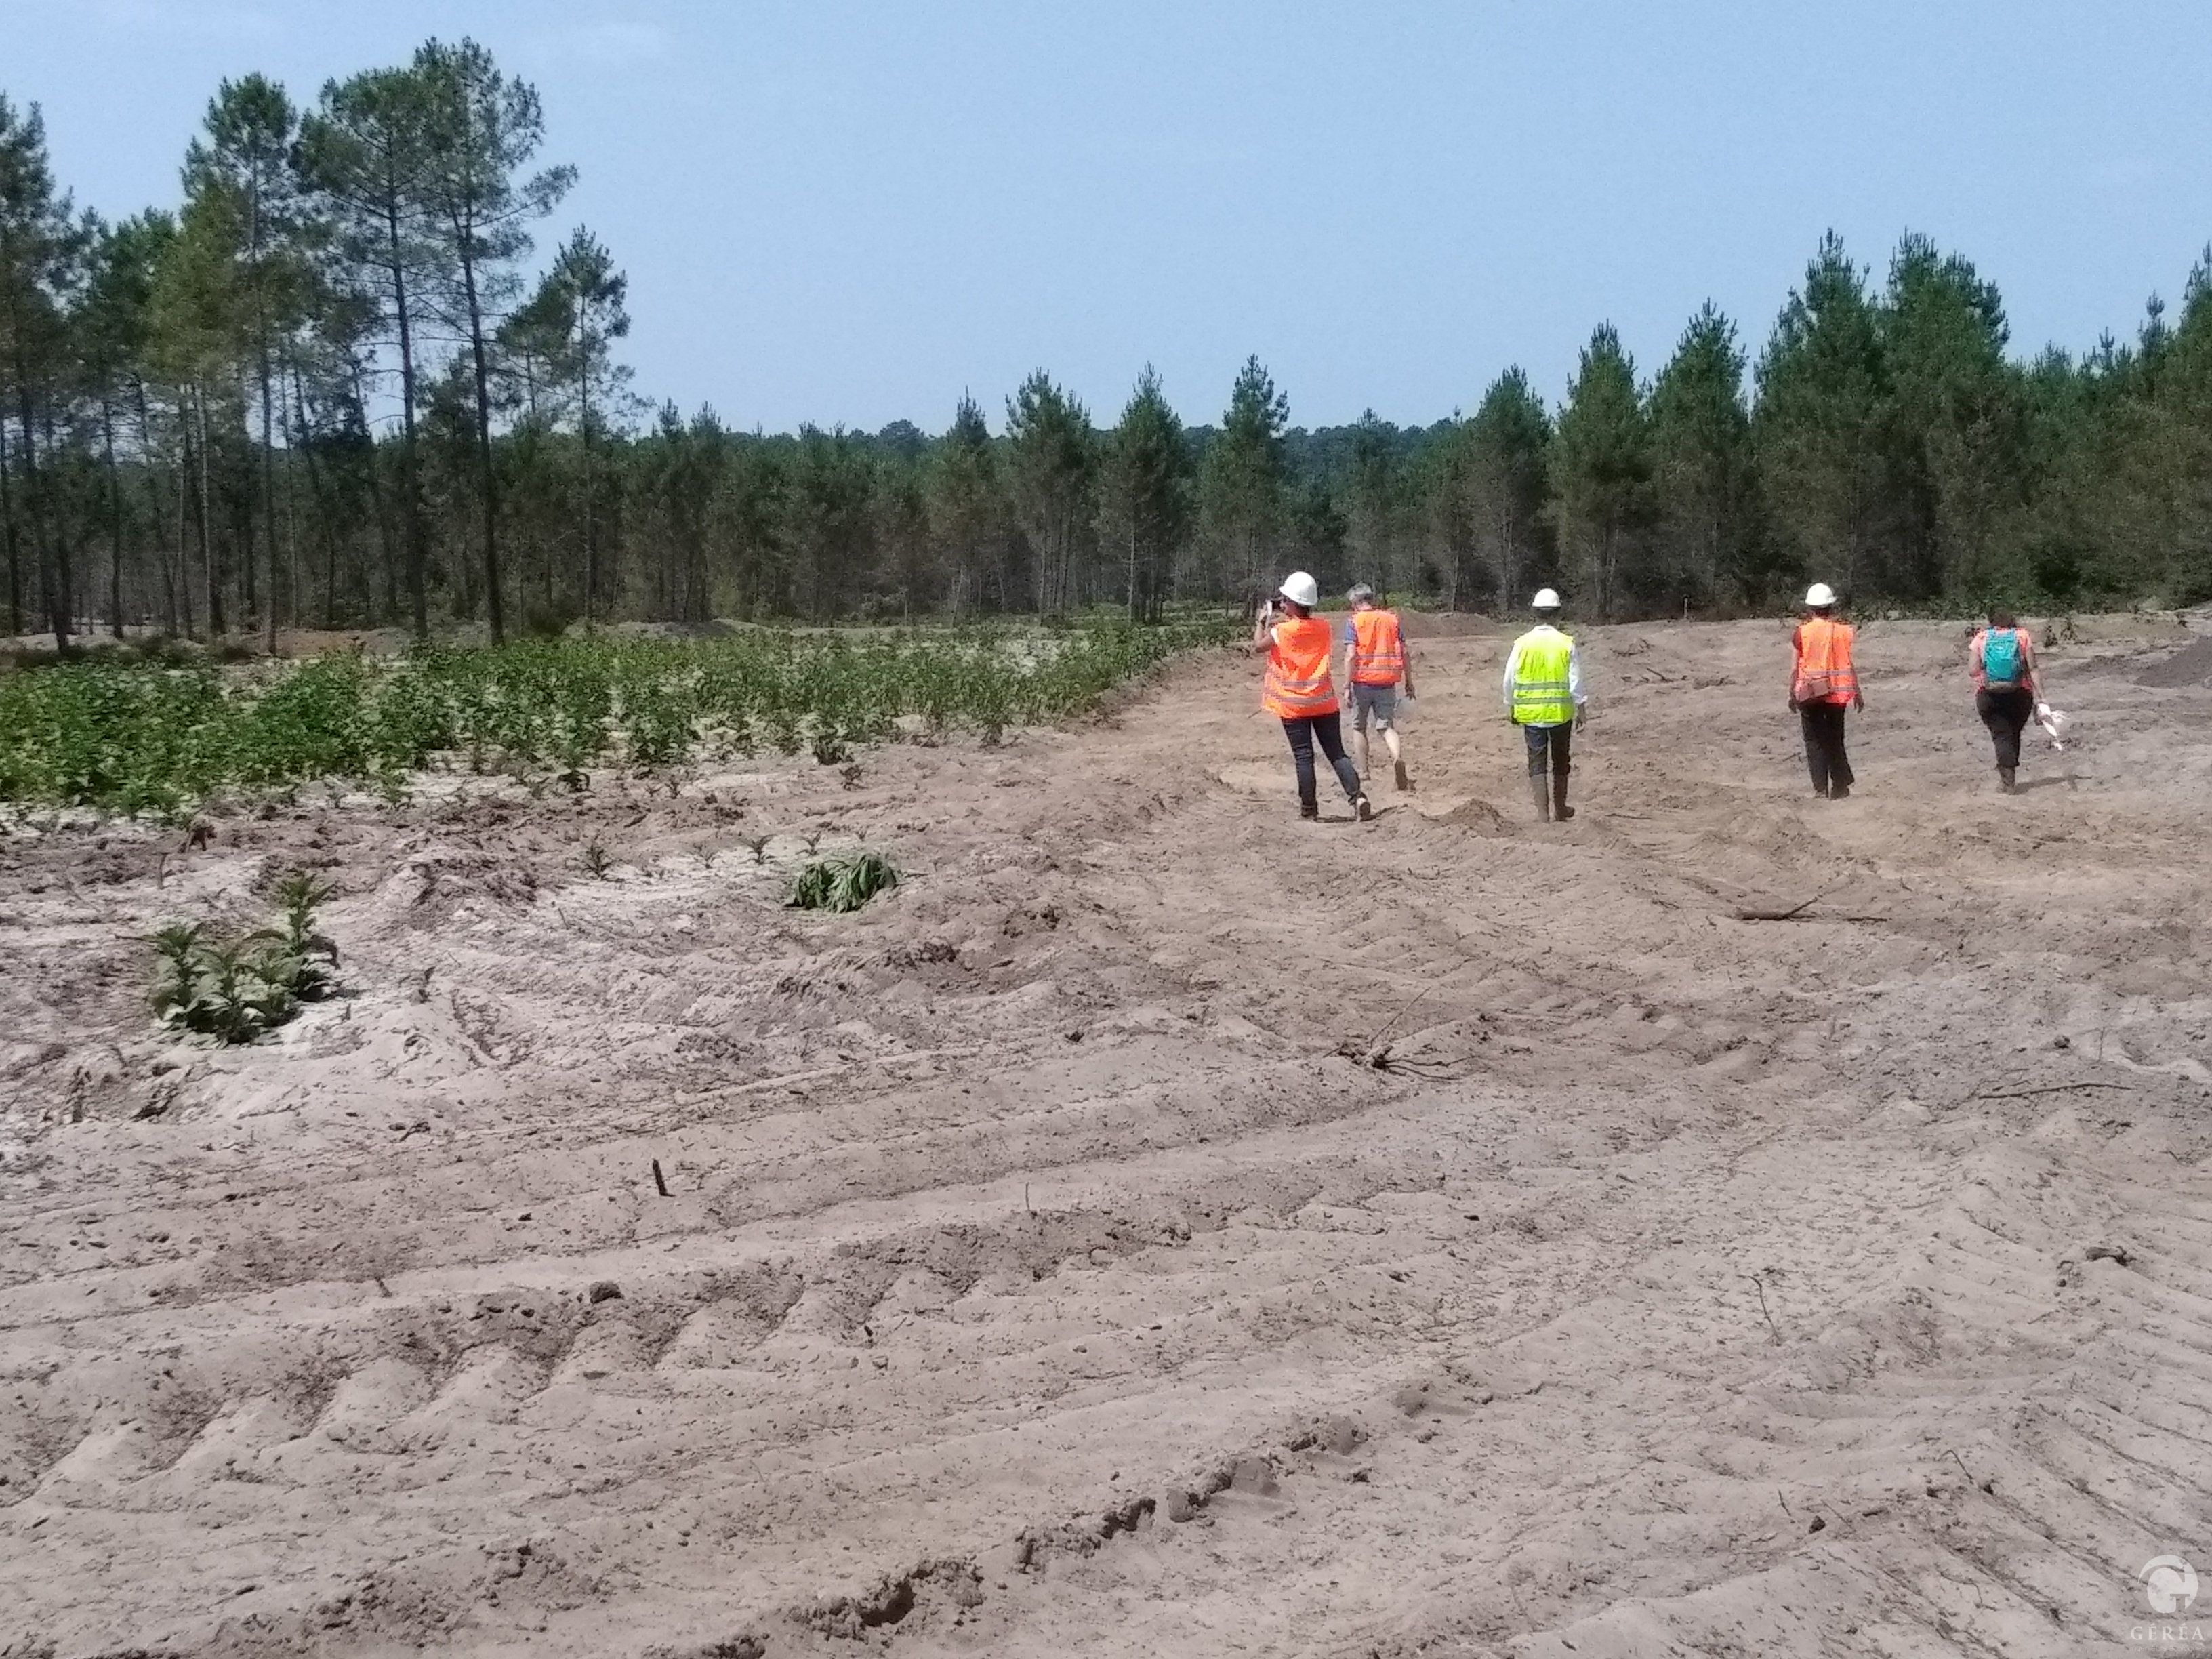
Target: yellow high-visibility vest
{"points": [[1542, 695]]}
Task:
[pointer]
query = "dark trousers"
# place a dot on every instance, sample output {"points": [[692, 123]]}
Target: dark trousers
{"points": [[2005, 713], [1824, 746], [1327, 730], [1555, 742]]}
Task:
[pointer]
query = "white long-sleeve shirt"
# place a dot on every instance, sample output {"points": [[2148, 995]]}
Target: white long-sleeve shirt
{"points": [[1574, 667]]}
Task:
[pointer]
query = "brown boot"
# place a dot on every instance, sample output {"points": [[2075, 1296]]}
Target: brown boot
{"points": [[1560, 810], [1403, 781], [1540, 793]]}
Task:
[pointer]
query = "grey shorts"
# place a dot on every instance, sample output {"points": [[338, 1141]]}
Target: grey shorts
{"points": [[1375, 703]]}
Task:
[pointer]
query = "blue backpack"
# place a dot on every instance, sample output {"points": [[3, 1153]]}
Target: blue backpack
{"points": [[2001, 656]]}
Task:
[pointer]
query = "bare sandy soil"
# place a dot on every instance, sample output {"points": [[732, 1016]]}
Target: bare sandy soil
{"points": [[1161, 1227]]}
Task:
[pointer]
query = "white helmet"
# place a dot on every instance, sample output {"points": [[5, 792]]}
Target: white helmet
{"points": [[1299, 588], [1821, 595], [1546, 599]]}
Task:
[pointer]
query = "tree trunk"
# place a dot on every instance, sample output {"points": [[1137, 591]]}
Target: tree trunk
{"points": [[53, 561], [8, 535], [114, 520], [591, 489], [411, 507], [210, 567], [269, 499], [493, 614]]}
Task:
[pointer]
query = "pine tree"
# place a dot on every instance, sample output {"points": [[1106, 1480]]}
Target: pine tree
{"points": [[247, 156], [39, 247], [366, 151], [1956, 415], [567, 331], [1819, 425], [967, 513], [1702, 466], [1373, 496], [1507, 480], [1241, 483], [1601, 463], [480, 129], [112, 328], [1050, 461], [1148, 492]]}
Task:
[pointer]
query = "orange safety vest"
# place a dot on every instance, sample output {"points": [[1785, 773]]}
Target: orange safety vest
{"points": [[1378, 648], [1824, 671], [1297, 684]]}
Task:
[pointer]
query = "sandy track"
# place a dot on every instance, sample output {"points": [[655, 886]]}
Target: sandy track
{"points": [[1038, 1276]]}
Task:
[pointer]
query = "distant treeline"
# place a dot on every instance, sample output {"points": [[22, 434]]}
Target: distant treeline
{"points": [[321, 391]]}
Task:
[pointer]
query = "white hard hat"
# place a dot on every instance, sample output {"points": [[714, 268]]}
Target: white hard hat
{"points": [[1819, 596], [1546, 599], [1299, 588]]}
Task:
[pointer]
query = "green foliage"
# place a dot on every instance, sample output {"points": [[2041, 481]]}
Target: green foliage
{"points": [[128, 737], [841, 882], [236, 990]]}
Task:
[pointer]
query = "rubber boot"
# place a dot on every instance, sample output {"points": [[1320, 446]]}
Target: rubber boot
{"points": [[1404, 781], [2006, 775], [1560, 810], [1540, 793], [1362, 808]]}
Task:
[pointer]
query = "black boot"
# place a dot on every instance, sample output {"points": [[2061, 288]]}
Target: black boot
{"points": [[1560, 811], [2006, 774]]}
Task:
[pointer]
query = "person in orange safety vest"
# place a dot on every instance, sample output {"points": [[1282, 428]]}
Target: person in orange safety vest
{"points": [[1823, 682], [1298, 690], [1377, 665]]}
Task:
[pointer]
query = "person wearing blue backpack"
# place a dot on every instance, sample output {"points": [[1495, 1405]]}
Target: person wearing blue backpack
{"points": [[2002, 662]]}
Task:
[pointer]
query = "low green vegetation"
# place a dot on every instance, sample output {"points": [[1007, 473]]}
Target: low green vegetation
{"points": [[237, 989], [156, 737], [842, 882]]}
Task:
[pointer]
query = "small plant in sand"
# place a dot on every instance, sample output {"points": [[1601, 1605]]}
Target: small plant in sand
{"points": [[235, 990], [758, 845], [597, 859], [842, 882]]}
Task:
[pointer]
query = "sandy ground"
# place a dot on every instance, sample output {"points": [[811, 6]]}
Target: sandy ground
{"points": [[1050, 1267]]}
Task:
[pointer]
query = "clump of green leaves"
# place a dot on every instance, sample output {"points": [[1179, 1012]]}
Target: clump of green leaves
{"points": [[305, 961], [237, 989], [843, 881]]}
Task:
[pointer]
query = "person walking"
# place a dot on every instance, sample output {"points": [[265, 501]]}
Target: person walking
{"points": [[1544, 698], [1298, 691], [1822, 684], [2001, 661], [1376, 664]]}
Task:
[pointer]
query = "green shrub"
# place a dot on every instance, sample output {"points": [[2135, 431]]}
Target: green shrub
{"points": [[235, 990], [842, 882]]}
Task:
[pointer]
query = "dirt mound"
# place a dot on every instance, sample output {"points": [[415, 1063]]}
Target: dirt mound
{"points": [[2191, 666]]}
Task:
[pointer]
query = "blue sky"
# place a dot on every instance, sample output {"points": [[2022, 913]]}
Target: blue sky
{"points": [[847, 213]]}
